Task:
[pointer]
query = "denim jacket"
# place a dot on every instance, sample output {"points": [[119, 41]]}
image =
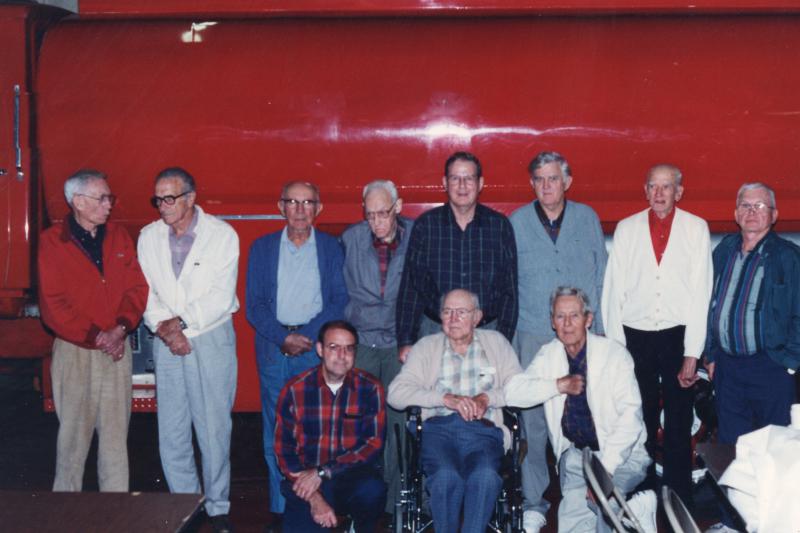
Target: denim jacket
{"points": [[779, 303]]}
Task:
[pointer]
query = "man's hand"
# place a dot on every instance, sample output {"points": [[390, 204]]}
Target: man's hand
{"points": [[112, 342], [168, 328], [571, 384], [688, 374], [321, 512], [171, 333], [402, 353], [295, 344], [306, 483], [710, 369], [463, 405], [481, 403]]}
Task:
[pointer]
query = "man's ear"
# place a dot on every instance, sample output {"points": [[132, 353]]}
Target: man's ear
{"points": [[319, 349], [477, 317]]}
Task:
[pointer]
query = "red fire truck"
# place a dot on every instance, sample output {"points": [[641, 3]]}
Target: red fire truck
{"points": [[247, 94]]}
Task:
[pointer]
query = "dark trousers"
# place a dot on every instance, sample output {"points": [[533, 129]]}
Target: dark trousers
{"points": [[658, 355], [751, 392], [359, 493]]}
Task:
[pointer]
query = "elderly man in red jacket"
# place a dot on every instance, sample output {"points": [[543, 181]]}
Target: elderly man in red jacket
{"points": [[92, 294]]}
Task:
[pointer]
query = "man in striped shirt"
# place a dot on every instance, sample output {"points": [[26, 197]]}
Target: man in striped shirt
{"points": [[328, 437], [753, 342]]}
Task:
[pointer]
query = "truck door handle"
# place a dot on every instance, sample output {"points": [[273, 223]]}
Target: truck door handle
{"points": [[17, 145]]}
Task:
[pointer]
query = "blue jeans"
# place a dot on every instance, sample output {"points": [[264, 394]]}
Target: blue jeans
{"points": [[461, 461], [274, 370], [359, 493]]}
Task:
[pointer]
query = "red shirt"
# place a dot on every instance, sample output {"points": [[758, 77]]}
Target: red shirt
{"points": [[659, 232], [77, 301]]}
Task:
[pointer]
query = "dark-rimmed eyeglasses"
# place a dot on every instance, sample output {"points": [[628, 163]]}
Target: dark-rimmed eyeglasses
{"points": [[291, 202], [169, 199], [103, 198]]}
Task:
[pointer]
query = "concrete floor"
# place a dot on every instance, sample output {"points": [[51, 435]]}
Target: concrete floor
{"points": [[27, 459]]}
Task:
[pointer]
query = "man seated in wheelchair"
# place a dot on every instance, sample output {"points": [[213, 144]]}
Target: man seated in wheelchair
{"points": [[328, 438], [457, 377], [591, 399]]}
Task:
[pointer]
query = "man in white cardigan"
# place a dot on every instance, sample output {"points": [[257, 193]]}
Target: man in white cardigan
{"points": [[591, 399], [655, 302], [190, 260]]}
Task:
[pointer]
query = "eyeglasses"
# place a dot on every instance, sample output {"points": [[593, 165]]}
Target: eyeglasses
{"points": [[169, 199], [383, 214], [110, 198], [550, 179], [348, 349], [471, 179], [291, 202], [460, 313], [758, 207]]}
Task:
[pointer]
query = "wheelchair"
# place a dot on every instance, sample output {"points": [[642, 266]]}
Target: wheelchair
{"points": [[411, 516]]}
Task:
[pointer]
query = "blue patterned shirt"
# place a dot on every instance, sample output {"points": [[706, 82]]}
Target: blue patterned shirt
{"points": [[577, 423]]}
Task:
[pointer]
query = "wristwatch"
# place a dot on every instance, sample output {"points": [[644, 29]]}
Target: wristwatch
{"points": [[182, 324], [322, 472]]}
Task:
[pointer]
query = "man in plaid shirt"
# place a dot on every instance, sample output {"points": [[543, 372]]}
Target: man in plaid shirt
{"points": [[328, 438], [461, 244], [457, 377]]}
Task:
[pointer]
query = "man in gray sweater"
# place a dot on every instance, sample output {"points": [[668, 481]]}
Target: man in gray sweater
{"points": [[375, 251], [558, 243]]}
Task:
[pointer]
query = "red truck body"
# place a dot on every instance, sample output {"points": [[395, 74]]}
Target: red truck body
{"points": [[249, 94]]}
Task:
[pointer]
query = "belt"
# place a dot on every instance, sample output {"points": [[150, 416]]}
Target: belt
{"points": [[291, 328]]}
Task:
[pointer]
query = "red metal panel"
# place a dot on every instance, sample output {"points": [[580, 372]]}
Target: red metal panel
{"points": [[14, 189], [327, 8], [246, 105]]}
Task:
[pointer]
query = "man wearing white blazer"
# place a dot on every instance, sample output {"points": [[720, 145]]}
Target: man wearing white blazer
{"points": [[655, 301], [591, 399], [191, 260]]}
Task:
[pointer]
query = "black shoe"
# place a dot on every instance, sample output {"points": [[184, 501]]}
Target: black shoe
{"points": [[276, 525], [221, 524]]}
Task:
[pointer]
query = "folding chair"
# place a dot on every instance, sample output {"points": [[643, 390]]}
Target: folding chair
{"points": [[678, 515], [602, 486]]}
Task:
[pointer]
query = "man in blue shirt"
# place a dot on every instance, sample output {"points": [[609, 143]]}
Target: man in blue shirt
{"points": [[294, 285]]}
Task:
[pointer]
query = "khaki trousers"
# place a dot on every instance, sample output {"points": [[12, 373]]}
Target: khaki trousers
{"points": [[90, 392]]}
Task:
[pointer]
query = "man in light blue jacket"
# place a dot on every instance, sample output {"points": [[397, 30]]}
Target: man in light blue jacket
{"points": [[558, 243]]}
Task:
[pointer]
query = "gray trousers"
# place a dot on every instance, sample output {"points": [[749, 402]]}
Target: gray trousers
{"points": [[575, 513], [535, 476], [91, 391], [198, 389], [384, 365]]}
